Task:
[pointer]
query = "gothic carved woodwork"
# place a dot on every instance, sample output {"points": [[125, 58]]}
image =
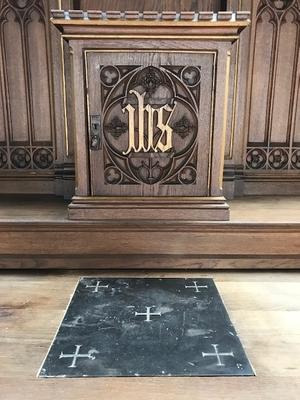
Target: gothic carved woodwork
{"points": [[150, 113], [274, 112], [27, 131], [235, 132], [150, 123], [33, 127]]}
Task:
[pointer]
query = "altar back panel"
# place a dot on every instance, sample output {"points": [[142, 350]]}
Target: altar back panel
{"points": [[262, 148]]}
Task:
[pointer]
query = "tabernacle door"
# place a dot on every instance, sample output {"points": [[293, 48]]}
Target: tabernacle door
{"points": [[150, 119]]}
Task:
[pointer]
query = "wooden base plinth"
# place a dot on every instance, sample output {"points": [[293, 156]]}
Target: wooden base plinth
{"points": [[263, 233], [149, 208]]}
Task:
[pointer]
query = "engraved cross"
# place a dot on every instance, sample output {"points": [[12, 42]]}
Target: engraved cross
{"points": [[148, 314], [76, 355], [196, 286], [97, 286], [218, 355]]}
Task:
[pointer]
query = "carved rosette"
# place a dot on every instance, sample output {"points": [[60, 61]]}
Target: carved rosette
{"points": [[43, 158], [26, 158], [256, 158], [278, 158], [150, 124], [20, 158], [274, 158]]}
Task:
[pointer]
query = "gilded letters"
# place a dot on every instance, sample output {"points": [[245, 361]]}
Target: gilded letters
{"points": [[164, 142]]}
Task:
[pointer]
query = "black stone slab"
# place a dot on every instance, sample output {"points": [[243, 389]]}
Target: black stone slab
{"points": [[187, 331]]}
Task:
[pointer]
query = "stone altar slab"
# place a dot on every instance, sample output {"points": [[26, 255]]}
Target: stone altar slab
{"points": [[146, 327]]}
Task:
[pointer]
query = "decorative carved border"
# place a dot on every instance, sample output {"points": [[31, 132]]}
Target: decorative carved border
{"points": [[273, 158], [146, 16], [213, 52], [26, 157]]}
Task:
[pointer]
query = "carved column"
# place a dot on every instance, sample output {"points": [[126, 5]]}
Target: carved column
{"points": [[235, 132]]}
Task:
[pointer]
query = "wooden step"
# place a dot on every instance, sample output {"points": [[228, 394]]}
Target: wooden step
{"points": [[263, 232]]}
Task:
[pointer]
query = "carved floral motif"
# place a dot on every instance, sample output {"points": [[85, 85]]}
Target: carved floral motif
{"points": [[150, 129], [277, 158], [116, 127], [26, 157], [43, 158], [182, 127], [256, 158], [20, 158]]}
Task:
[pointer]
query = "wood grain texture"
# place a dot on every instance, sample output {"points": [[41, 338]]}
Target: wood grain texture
{"points": [[263, 233], [264, 307], [27, 80], [31, 114], [272, 88], [275, 90], [249, 210], [207, 150], [270, 122], [194, 147], [15, 81]]}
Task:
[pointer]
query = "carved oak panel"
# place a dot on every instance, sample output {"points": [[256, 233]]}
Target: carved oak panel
{"points": [[273, 129], [149, 122], [27, 131]]}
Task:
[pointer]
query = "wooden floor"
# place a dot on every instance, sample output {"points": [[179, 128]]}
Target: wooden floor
{"points": [[264, 307], [263, 232]]}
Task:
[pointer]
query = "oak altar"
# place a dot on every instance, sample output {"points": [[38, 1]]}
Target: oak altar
{"points": [[149, 94]]}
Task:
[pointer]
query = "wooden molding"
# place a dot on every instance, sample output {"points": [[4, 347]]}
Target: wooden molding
{"points": [[149, 208], [97, 17], [171, 245]]}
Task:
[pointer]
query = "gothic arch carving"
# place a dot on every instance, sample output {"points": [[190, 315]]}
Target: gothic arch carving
{"points": [[25, 86], [273, 96]]}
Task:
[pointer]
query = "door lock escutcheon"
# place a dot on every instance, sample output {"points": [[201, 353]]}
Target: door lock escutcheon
{"points": [[95, 132]]}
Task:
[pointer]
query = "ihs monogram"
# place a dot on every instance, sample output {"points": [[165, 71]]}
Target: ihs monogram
{"points": [[164, 142]]}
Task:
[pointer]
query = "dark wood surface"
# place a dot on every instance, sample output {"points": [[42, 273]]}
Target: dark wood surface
{"points": [[135, 180], [272, 87], [200, 155], [32, 142], [262, 233], [273, 112]]}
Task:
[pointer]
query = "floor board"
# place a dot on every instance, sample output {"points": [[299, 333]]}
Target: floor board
{"points": [[264, 307]]}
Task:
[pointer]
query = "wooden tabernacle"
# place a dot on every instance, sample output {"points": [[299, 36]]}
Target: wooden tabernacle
{"points": [[149, 97]]}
